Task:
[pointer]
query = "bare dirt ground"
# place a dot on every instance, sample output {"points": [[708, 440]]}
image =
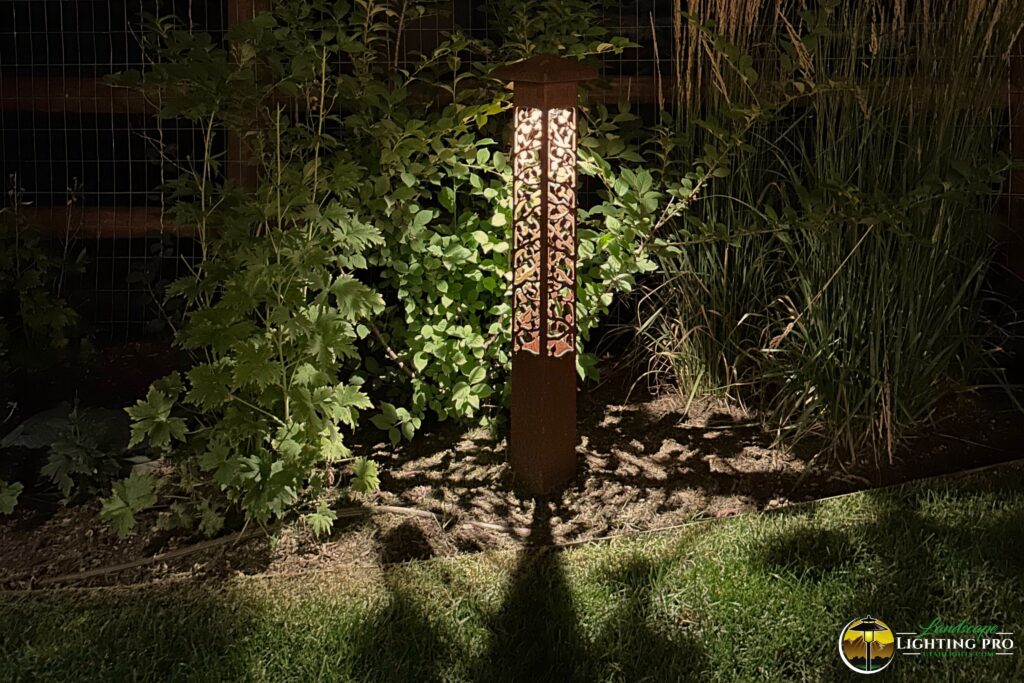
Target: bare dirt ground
{"points": [[643, 465]]}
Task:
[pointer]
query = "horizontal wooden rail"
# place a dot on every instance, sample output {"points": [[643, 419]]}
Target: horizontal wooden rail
{"points": [[60, 95], [634, 89], [102, 222], [67, 95], [90, 95]]}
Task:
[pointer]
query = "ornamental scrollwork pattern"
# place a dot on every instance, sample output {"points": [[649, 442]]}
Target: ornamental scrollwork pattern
{"points": [[526, 210], [561, 225]]}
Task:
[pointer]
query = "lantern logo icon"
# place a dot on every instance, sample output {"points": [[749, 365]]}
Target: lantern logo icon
{"points": [[867, 645]]}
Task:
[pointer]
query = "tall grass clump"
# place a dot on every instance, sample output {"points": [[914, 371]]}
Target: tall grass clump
{"points": [[834, 274]]}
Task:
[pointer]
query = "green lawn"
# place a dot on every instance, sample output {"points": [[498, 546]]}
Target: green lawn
{"points": [[748, 599]]}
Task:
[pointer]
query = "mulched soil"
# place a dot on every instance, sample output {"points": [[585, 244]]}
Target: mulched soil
{"points": [[645, 463]]}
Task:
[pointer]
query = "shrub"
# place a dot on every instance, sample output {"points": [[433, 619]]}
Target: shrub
{"points": [[36, 322], [85, 448], [369, 257], [34, 318]]}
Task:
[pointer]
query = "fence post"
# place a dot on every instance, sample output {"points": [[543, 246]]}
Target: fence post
{"points": [[240, 166]]}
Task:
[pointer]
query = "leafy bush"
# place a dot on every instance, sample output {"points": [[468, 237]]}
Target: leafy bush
{"points": [[32, 273], [35, 321], [34, 317], [86, 448], [368, 257]]}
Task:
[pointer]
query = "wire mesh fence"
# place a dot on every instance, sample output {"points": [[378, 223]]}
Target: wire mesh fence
{"points": [[77, 155], [81, 156]]}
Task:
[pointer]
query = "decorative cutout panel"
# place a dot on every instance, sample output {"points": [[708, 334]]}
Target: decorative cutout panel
{"points": [[561, 238], [527, 219]]}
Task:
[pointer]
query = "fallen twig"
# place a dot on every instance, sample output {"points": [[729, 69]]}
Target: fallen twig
{"points": [[504, 528], [412, 512]]}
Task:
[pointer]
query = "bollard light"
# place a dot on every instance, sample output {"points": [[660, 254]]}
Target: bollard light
{"points": [[543, 429]]}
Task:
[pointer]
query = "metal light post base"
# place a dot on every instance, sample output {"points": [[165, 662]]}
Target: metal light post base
{"points": [[543, 430]]}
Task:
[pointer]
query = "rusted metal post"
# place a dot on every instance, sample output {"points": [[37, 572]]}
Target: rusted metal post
{"points": [[543, 432]]}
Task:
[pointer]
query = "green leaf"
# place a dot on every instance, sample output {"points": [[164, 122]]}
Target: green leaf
{"points": [[422, 217], [211, 521], [306, 375], [365, 477], [477, 375], [322, 521], [346, 403], [586, 366], [419, 361], [254, 365], [354, 299], [151, 419], [117, 513], [155, 405], [9, 496], [408, 430], [381, 422], [209, 386], [138, 491], [58, 469], [447, 199], [129, 497]]}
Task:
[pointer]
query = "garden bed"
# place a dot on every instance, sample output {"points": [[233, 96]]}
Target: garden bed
{"points": [[644, 464]]}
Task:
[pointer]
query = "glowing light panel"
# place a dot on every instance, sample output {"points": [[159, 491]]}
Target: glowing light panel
{"points": [[544, 254]]}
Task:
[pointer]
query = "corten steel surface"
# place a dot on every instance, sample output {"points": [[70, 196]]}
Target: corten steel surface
{"points": [[543, 435]]}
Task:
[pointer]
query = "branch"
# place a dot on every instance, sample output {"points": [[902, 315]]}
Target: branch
{"points": [[391, 352]]}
